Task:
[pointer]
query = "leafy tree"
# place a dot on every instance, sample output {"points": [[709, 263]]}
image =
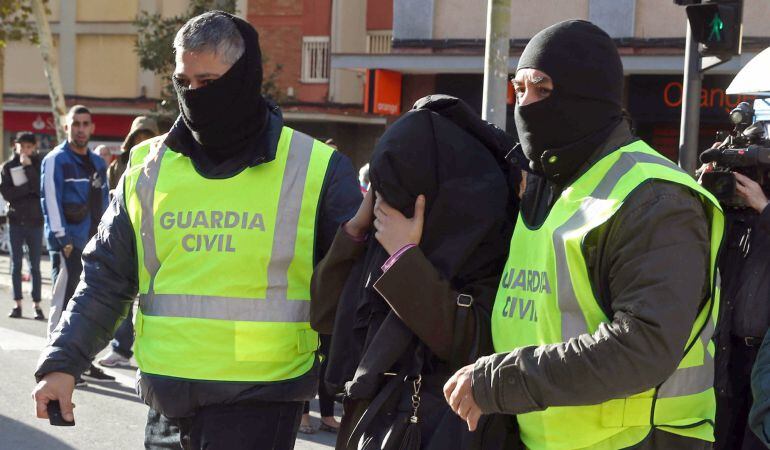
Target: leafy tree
{"points": [[155, 49], [16, 24]]}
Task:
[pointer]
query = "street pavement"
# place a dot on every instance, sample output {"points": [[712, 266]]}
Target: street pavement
{"points": [[108, 414]]}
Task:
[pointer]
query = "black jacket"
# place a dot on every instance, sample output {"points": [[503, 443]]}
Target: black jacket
{"points": [[745, 298], [759, 417], [23, 201], [110, 283]]}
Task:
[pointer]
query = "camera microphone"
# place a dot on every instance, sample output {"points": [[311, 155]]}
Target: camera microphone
{"points": [[710, 155]]}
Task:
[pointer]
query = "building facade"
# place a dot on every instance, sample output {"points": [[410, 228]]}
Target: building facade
{"points": [[438, 47], [343, 69], [95, 43], [95, 40], [297, 38]]}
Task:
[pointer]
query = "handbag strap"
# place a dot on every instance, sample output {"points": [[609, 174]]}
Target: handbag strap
{"points": [[374, 408], [464, 303], [387, 391]]}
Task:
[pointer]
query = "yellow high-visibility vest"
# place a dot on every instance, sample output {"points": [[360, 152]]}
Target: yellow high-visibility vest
{"points": [[225, 264], [545, 297]]}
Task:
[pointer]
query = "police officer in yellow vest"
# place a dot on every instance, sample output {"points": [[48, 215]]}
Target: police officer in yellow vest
{"points": [[606, 308], [217, 226]]}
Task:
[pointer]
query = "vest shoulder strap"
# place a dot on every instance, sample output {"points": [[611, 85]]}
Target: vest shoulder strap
{"points": [[649, 164]]}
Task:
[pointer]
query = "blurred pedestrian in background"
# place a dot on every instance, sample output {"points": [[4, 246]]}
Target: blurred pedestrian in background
{"points": [[20, 187], [363, 178], [74, 196], [104, 152], [142, 129], [325, 398]]}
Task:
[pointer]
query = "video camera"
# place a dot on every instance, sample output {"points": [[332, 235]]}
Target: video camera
{"points": [[746, 150]]}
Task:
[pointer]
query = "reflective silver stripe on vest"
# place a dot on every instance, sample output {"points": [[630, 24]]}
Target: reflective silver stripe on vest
{"points": [[225, 308], [692, 380], [687, 381], [573, 322], [287, 220], [145, 190], [276, 307]]}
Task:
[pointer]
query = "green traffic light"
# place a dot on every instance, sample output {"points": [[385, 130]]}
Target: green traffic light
{"points": [[716, 25]]}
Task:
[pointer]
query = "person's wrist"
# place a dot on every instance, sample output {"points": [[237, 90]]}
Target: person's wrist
{"points": [[762, 205], [353, 229]]}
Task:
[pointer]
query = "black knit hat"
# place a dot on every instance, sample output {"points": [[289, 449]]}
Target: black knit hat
{"points": [[25, 136]]}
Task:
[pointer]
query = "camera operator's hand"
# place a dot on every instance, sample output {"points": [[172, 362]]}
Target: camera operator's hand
{"points": [[750, 191], [707, 167]]}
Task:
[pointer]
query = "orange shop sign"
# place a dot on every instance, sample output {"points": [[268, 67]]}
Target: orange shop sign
{"points": [[713, 97], [383, 92], [658, 98]]}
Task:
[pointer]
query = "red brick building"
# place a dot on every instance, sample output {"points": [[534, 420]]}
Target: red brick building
{"points": [[297, 37]]}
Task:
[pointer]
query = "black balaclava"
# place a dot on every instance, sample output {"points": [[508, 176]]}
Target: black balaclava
{"points": [[227, 115], [559, 133]]}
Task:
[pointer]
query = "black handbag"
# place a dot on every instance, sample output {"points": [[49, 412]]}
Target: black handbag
{"points": [[392, 419]]}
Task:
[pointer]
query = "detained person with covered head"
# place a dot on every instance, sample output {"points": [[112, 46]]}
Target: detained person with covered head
{"points": [[606, 307], [217, 225], [407, 287]]}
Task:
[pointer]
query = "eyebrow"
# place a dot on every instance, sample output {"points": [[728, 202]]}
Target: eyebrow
{"points": [[206, 74], [533, 80]]}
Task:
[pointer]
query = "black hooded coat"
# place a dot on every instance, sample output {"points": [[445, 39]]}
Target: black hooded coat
{"points": [[443, 150]]}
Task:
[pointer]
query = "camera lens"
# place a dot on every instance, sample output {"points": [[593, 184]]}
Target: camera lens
{"points": [[736, 117]]}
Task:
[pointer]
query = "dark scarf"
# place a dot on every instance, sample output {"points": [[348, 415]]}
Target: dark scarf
{"points": [[227, 116], [560, 133]]}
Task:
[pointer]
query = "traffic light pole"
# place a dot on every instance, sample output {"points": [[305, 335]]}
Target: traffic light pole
{"points": [[690, 123], [496, 54]]}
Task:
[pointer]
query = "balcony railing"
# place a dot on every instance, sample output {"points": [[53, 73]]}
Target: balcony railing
{"points": [[379, 41], [315, 59]]}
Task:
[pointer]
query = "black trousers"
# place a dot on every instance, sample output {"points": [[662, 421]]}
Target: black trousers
{"points": [[732, 431], [252, 426], [325, 399]]}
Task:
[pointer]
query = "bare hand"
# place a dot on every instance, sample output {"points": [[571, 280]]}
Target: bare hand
{"points": [[394, 230], [458, 392], [55, 386], [750, 191], [360, 224], [67, 250], [25, 160]]}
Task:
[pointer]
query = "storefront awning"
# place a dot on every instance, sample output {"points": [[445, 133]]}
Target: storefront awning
{"points": [[107, 125], [421, 63]]}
